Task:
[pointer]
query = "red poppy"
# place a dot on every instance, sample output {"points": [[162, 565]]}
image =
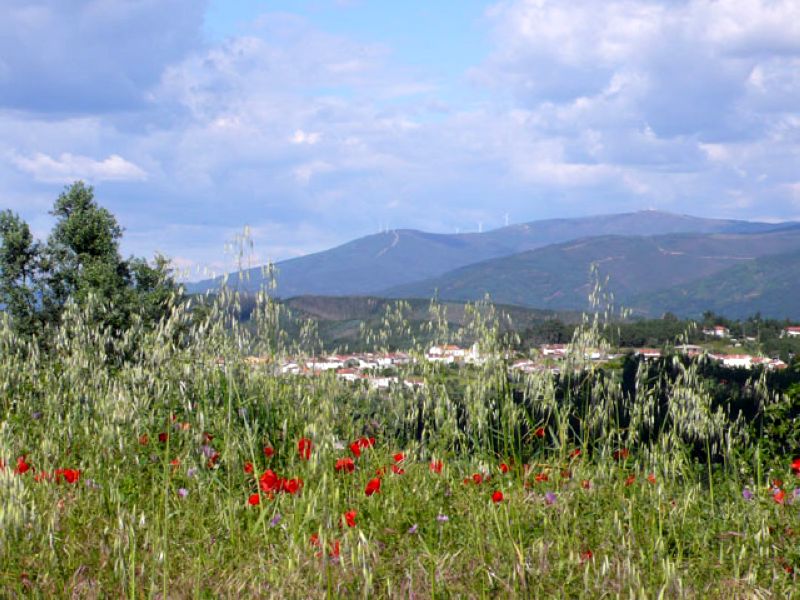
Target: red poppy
{"points": [[373, 486], [345, 464], [497, 496], [380, 471], [779, 496], [268, 481], [586, 484], [539, 433], [268, 451], [334, 549], [621, 454], [22, 466], [630, 479], [248, 467], [575, 453], [477, 478], [213, 460], [292, 486], [254, 500], [175, 462], [314, 539], [796, 466], [350, 518], [435, 466], [355, 448], [69, 475], [144, 440], [651, 478], [777, 483], [400, 457], [2, 465], [207, 437], [541, 477], [504, 467], [163, 437], [398, 470], [365, 442], [566, 474], [586, 555], [304, 448]]}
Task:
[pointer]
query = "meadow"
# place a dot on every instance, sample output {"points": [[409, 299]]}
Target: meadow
{"points": [[158, 463]]}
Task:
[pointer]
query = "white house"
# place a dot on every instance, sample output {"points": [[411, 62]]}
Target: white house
{"points": [[791, 332], [719, 331]]}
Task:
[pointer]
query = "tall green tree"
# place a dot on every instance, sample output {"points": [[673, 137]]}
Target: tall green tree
{"points": [[80, 259], [19, 270]]}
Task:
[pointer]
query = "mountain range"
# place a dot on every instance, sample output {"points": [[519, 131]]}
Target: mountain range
{"points": [[654, 261]]}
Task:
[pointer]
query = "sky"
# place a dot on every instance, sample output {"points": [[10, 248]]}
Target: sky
{"points": [[311, 123]]}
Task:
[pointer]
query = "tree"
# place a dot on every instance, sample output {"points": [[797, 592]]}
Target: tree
{"points": [[80, 259], [19, 265]]}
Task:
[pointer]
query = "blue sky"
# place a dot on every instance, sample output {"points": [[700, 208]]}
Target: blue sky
{"points": [[315, 122]]}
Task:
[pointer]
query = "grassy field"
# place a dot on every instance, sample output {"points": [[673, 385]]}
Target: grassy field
{"points": [[174, 474]]}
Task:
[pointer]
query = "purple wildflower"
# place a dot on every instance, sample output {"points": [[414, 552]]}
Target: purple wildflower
{"points": [[442, 518], [413, 529], [208, 451], [550, 498], [36, 415], [191, 472], [747, 494], [275, 520], [183, 492]]}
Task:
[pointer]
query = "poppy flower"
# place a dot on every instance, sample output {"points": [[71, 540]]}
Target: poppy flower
{"points": [[314, 539], [435, 466], [373, 486], [292, 486], [399, 457], [304, 448], [268, 481], [350, 518], [175, 462], [144, 440], [268, 451], [575, 453], [213, 460], [355, 448], [540, 477], [22, 466], [68, 475], [2, 465], [504, 468], [539, 433], [398, 470], [586, 484], [477, 478], [651, 478], [497, 496], [366, 442], [796, 466], [248, 467], [334, 549], [566, 474], [163, 437], [630, 479], [380, 471], [345, 464], [207, 437], [777, 483], [621, 454], [586, 555], [254, 500], [779, 496]]}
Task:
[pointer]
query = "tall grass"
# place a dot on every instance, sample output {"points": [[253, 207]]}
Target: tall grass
{"points": [[607, 493]]}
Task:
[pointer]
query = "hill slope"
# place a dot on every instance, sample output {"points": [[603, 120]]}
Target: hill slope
{"points": [[557, 276], [376, 262]]}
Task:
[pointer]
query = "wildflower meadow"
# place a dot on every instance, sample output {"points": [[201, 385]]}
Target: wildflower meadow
{"points": [[161, 464]]}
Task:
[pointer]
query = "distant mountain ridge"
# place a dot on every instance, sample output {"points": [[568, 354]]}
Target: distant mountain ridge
{"points": [[385, 261], [681, 273]]}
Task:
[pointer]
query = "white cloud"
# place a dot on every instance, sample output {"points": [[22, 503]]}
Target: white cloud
{"points": [[301, 137], [69, 167]]}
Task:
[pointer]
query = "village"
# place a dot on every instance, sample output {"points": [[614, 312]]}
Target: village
{"points": [[380, 370]]}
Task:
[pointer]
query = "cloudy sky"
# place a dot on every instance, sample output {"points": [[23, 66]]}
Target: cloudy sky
{"points": [[315, 122]]}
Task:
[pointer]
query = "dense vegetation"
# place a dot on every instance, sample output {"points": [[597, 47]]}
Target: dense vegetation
{"points": [[171, 467]]}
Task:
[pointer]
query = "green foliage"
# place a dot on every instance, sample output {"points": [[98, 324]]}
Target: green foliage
{"points": [[81, 263]]}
